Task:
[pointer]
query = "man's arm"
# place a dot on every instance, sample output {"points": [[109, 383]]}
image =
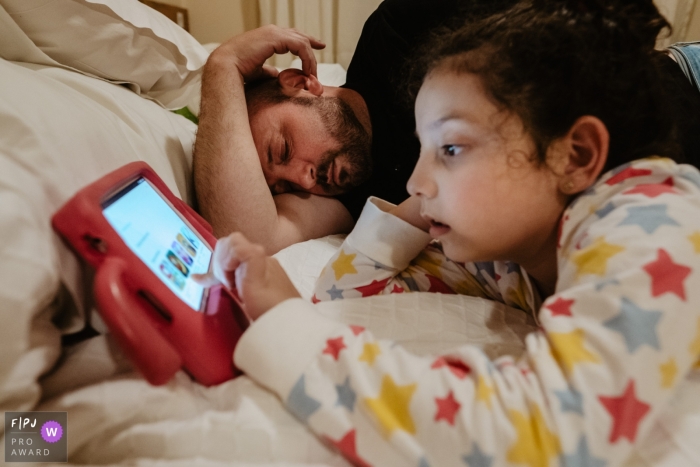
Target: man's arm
{"points": [[231, 190]]}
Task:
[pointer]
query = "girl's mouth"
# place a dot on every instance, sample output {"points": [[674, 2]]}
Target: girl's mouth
{"points": [[438, 228]]}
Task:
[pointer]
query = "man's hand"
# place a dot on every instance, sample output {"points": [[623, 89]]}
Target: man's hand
{"points": [[260, 280], [248, 51]]}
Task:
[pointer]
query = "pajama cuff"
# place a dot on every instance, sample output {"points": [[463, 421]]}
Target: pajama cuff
{"points": [[263, 352], [385, 238]]}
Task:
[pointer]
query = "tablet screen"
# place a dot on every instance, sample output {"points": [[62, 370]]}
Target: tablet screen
{"points": [[160, 238]]}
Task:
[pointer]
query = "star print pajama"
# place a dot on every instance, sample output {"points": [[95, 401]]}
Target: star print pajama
{"points": [[612, 378]]}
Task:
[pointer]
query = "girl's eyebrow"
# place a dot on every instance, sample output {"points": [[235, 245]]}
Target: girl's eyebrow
{"points": [[452, 117]]}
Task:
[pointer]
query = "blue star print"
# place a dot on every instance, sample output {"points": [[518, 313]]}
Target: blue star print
{"points": [[300, 403], [605, 210], [346, 396], [571, 400], [582, 457], [477, 458], [648, 218], [335, 293], [636, 325]]}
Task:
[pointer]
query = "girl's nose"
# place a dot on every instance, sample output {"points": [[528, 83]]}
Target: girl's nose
{"points": [[421, 182]]}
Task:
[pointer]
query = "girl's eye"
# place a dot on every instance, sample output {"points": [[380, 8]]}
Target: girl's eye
{"points": [[451, 149]]}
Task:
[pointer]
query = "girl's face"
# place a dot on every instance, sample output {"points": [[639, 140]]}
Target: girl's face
{"points": [[480, 186]]}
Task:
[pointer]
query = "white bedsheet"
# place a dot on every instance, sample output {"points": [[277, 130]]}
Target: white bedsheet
{"points": [[115, 417]]}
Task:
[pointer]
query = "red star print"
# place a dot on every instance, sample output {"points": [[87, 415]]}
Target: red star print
{"points": [[397, 289], [561, 307], [629, 172], [314, 299], [346, 445], [653, 190], [447, 408], [457, 367], [498, 277], [357, 330], [437, 286], [334, 346], [375, 288], [627, 411], [667, 276]]}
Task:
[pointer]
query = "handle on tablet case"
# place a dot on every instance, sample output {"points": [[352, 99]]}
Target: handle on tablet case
{"points": [[128, 320]]}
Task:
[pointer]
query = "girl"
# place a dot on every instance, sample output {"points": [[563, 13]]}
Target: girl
{"points": [[538, 129]]}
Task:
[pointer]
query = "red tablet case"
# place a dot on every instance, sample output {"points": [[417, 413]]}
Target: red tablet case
{"points": [[158, 331]]}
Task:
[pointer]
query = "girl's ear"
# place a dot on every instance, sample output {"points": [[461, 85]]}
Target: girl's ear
{"points": [[587, 145], [294, 81]]}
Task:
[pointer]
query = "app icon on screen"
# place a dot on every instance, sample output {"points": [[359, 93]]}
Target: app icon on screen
{"points": [[191, 237], [187, 245], [177, 262], [172, 274], [181, 253]]}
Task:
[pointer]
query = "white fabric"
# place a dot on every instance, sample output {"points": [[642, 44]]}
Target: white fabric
{"points": [[60, 131], [118, 40], [122, 419]]}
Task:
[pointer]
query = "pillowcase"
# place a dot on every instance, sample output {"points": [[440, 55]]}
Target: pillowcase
{"points": [[122, 41], [60, 131]]}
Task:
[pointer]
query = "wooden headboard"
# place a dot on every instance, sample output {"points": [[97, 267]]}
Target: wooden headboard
{"points": [[175, 13]]}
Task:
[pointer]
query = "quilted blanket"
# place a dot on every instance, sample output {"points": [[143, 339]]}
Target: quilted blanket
{"points": [[116, 417]]}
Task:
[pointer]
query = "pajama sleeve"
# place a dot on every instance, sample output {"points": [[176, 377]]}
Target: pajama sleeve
{"points": [[618, 337], [384, 254]]}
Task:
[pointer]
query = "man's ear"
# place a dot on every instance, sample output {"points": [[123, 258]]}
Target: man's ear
{"points": [[585, 149], [294, 82]]}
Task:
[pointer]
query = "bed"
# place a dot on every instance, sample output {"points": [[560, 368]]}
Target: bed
{"points": [[88, 86]]}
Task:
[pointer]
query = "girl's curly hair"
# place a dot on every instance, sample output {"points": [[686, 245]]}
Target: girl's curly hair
{"points": [[553, 61]]}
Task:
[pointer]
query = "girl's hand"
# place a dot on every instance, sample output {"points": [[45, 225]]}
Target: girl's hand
{"points": [[409, 211], [260, 280]]}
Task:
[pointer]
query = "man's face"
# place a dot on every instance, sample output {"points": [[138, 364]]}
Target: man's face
{"points": [[297, 153]]}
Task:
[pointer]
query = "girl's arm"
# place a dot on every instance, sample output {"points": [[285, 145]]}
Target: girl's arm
{"points": [[619, 340], [387, 252]]}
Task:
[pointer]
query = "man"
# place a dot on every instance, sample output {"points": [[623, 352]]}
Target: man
{"points": [[257, 144], [266, 155]]}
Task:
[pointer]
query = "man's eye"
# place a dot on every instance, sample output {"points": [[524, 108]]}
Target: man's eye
{"points": [[451, 149]]}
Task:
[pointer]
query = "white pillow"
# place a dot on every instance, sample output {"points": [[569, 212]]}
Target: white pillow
{"points": [[60, 131], [118, 40]]}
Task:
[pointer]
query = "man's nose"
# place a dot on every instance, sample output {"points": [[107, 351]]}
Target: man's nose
{"points": [[305, 175], [421, 181]]}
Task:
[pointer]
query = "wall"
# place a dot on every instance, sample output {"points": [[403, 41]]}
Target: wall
{"points": [[217, 20], [694, 27]]}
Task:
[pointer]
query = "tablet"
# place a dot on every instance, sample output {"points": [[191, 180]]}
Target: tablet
{"points": [[160, 238], [145, 244]]}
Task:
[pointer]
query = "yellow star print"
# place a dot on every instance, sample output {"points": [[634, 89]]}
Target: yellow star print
{"points": [[518, 295], [370, 352], [484, 391], [535, 444], [668, 373], [568, 349], [343, 265], [695, 240], [431, 263], [391, 407], [594, 258]]}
